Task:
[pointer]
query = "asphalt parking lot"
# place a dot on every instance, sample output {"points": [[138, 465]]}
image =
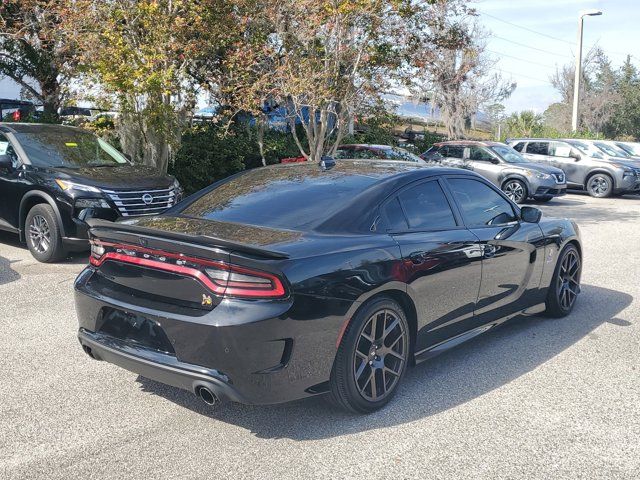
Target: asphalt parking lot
{"points": [[538, 398]]}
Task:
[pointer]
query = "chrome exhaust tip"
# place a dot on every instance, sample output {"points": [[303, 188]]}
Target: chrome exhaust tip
{"points": [[207, 396]]}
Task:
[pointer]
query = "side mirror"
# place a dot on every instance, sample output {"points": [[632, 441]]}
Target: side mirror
{"points": [[128, 156], [6, 161], [530, 214], [495, 161], [575, 156]]}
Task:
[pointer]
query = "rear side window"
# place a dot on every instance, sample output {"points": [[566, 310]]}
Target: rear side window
{"points": [[427, 207], [454, 151], [538, 148], [392, 216], [480, 204]]}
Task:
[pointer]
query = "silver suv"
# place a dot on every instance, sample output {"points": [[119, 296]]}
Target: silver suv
{"points": [[503, 166], [585, 166]]}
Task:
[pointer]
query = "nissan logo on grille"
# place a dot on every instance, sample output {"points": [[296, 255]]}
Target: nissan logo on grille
{"points": [[147, 198]]}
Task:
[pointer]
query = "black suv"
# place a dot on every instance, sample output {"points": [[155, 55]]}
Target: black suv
{"points": [[53, 178]]}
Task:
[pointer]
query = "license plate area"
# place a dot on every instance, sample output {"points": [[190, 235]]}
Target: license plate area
{"points": [[135, 329]]}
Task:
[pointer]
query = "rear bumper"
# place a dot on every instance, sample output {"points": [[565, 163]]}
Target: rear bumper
{"points": [[157, 366], [254, 352]]}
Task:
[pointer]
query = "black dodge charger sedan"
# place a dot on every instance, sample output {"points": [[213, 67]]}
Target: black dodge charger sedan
{"points": [[296, 280]]}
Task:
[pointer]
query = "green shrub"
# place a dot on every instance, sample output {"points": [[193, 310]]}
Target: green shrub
{"points": [[210, 152]]}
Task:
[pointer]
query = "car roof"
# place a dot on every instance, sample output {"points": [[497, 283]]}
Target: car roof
{"points": [[23, 127], [371, 146], [479, 143]]}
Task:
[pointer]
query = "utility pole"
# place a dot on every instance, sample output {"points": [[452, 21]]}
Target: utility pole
{"points": [[576, 83]]}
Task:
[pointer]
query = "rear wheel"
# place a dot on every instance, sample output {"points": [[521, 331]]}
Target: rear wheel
{"points": [[600, 185], [42, 233], [565, 284], [372, 357], [515, 190]]}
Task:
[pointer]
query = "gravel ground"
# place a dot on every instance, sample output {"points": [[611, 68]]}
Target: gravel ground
{"points": [[537, 398]]}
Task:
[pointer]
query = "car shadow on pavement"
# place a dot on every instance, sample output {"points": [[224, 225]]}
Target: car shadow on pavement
{"points": [[444, 382], [72, 258], [7, 274]]}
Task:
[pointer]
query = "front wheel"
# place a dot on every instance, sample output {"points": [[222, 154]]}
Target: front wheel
{"points": [[600, 185], [43, 234], [565, 284], [515, 190], [372, 357]]}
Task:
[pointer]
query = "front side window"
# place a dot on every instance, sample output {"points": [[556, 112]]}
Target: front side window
{"points": [[538, 148], [356, 153], [508, 154], [559, 149], [7, 149], [427, 207], [587, 149], [480, 154], [611, 150], [480, 204], [59, 146], [518, 146]]}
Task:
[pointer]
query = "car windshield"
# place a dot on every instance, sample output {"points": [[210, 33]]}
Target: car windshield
{"points": [[396, 153], [586, 149], [508, 154], [630, 148], [611, 150], [59, 146]]}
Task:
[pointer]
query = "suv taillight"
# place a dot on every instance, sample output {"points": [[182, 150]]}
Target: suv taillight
{"points": [[219, 277]]}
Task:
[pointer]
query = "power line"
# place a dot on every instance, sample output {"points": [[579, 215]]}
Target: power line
{"points": [[548, 52], [521, 59], [527, 29], [524, 76]]}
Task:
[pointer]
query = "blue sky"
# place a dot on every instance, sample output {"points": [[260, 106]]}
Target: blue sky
{"points": [[617, 31]]}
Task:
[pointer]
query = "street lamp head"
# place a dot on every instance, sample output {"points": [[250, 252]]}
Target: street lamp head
{"points": [[590, 13]]}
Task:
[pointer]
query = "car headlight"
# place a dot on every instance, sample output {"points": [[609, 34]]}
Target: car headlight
{"points": [[540, 175], [67, 185], [91, 203]]}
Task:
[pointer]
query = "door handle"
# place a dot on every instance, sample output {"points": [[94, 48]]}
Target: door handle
{"points": [[488, 251], [417, 258]]}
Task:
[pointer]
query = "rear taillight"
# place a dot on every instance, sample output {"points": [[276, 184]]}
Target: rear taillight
{"points": [[219, 277]]}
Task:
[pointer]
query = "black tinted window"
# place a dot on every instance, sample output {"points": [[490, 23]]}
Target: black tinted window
{"points": [[518, 146], [480, 204], [427, 207], [284, 197], [7, 149], [480, 154], [538, 148], [392, 216], [454, 151]]}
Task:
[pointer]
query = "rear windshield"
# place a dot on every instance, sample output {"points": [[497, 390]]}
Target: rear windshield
{"points": [[281, 197], [58, 146]]}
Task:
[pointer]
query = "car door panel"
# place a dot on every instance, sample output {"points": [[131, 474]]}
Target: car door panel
{"points": [[443, 273], [441, 261], [512, 251], [12, 188]]}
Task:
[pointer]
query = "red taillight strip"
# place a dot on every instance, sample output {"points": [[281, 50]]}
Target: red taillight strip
{"points": [[276, 289]]}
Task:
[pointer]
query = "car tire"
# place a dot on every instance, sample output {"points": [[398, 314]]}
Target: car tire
{"points": [[42, 233], [372, 357], [565, 283], [516, 190], [599, 185]]}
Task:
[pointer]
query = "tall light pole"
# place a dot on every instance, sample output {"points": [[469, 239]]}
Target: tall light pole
{"points": [[576, 83]]}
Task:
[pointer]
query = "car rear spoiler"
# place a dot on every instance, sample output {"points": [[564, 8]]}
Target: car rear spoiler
{"points": [[133, 234]]}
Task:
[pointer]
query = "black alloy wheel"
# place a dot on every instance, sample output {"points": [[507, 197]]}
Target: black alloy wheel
{"points": [[372, 357], [42, 233], [565, 285]]}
